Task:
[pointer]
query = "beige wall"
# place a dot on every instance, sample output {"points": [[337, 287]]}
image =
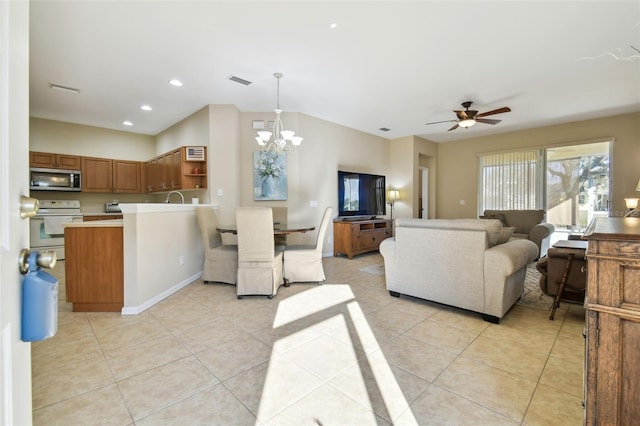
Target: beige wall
{"points": [[223, 158], [76, 139], [457, 176], [193, 130]]}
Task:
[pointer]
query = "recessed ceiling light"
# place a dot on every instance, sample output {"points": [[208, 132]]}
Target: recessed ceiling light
{"points": [[127, 123], [64, 88], [333, 25], [146, 108], [175, 82]]}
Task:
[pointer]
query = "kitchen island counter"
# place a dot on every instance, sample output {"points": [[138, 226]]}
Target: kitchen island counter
{"points": [[94, 266]]}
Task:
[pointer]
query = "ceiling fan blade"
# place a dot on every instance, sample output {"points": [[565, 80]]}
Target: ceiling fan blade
{"points": [[495, 111], [487, 121], [453, 128], [438, 122]]}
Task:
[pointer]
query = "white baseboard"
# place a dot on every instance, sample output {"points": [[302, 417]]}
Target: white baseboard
{"points": [[135, 310]]}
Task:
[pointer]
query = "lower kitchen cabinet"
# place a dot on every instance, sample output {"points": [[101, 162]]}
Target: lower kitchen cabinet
{"points": [[94, 267]]}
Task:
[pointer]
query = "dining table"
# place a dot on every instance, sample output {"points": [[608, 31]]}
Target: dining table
{"points": [[278, 228]]}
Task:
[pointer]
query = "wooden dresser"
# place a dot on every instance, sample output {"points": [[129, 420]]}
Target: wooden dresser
{"points": [[613, 322], [359, 236]]}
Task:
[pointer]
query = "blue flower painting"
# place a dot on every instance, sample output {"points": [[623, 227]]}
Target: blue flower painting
{"points": [[269, 176]]}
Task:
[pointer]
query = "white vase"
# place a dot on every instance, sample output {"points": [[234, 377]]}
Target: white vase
{"points": [[268, 186]]}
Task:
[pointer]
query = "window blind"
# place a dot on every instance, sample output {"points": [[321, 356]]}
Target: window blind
{"points": [[510, 181]]}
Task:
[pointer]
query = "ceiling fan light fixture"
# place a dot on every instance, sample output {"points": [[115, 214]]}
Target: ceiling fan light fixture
{"points": [[466, 123]]}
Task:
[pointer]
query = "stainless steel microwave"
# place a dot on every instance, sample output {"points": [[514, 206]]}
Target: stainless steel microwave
{"points": [[55, 179]]}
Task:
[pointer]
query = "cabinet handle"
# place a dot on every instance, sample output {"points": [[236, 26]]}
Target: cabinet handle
{"points": [[583, 269]]}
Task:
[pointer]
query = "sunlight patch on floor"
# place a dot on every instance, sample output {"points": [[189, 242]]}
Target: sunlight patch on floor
{"points": [[314, 354], [311, 301]]}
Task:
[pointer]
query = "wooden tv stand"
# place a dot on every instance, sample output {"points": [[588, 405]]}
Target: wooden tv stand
{"points": [[353, 237]]}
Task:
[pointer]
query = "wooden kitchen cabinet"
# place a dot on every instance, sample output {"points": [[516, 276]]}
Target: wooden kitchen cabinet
{"points": [[96, 174], [359, 236], [107, 175], [54, 161], [153, 175], [613, 321], [172, 170], [172, 163], [94, 268], [127, 176]]}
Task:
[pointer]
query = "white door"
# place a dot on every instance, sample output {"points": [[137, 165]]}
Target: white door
{"points": [[15, 355], [424, 192]]}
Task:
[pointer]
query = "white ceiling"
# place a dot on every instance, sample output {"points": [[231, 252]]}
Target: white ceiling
{"points": [[391, 64]]}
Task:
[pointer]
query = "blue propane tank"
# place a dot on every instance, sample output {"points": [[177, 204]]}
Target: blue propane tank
{"points": [[39, 303]]}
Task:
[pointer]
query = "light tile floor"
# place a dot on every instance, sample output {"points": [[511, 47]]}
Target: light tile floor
{"points": [[344, 353]]}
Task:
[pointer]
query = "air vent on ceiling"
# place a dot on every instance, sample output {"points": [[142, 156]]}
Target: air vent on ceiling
{"points": [[239, 80], [384, 129], [64, 88]]}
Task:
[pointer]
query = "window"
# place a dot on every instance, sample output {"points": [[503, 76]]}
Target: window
{"points": [[510, 181], [571, 183], [577, 184]]}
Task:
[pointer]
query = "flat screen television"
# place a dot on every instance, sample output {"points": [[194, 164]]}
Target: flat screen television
{"points": [[361, 194]]}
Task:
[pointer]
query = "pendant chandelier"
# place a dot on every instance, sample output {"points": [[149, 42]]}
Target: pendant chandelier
{"points": [[280, 136]]}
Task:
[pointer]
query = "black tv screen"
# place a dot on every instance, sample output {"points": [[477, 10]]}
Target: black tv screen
{"points": [[361, 194]]}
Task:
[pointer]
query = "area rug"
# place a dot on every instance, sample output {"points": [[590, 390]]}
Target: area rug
{"points": [[532, 296], [377, 269]]}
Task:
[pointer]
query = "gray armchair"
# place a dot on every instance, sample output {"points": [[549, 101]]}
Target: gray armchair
{"points": [[528, 224]]}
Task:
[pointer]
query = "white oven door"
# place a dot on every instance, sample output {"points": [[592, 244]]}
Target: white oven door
{"points": [[49, 236]]}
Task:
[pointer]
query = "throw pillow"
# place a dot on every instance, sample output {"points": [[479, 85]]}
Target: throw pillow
{"points": [[505, 234], [501, 217]]}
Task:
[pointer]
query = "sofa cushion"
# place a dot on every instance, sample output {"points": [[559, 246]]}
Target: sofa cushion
{"points": [[499, 216], [491, 227], [505, 234]]}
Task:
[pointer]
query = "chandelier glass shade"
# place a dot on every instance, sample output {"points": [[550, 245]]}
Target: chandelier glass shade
{"points": [[283, 140]]}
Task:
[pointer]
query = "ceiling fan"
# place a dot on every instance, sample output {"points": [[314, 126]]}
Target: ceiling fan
{"points": [[469, 117]]}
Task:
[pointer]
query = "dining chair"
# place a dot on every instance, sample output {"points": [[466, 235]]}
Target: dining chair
{"points": [[220, 261], [304, 263], [280, 216], [259, 262]]}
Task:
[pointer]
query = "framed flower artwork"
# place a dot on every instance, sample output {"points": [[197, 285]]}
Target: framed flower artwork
{"points": [[269, 176]]}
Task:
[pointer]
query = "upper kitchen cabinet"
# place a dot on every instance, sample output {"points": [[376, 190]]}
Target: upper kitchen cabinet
{"points": [[96, 174], [54, 161], [127, 176], [152, 172], [106, 175], [182, 168]]}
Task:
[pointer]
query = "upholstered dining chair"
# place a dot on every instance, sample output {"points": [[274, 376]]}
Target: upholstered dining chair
{"points": [[304, 263], [259, 262], [220, 261]]}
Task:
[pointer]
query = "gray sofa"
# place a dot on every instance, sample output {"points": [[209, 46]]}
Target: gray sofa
{"points": [[457, 262], [528, 224]]}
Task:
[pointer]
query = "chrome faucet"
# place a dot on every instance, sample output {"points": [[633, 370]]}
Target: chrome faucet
{"points": [[175, 192]]}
